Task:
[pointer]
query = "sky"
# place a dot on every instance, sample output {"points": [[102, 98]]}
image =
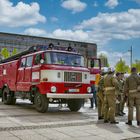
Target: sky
{"points": [[114, 25]]}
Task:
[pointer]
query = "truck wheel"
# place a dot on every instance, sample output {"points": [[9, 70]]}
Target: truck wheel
{"points": [[75, 104], [13, 99], [41, 102], [8, 97]]}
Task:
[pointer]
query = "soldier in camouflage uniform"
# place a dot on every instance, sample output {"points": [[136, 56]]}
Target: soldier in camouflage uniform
{"points": [[131, 91], [124, 99], [100, 96], [119, 95], [110, 84]]}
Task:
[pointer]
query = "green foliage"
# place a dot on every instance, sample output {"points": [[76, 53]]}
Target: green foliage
{"points": [[121, 66], [137, 65], [104, 60], [14, 51], [5, 53]]}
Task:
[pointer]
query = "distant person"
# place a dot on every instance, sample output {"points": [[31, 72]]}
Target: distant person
{"points": [[93, 100]]}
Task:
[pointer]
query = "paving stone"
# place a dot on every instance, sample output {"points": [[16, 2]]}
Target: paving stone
{"points": [[7, 134], [23, 132], [32, 137], [9, 138]]}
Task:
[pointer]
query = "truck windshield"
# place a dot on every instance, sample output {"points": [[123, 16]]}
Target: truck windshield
{"points": [[64, 59]]}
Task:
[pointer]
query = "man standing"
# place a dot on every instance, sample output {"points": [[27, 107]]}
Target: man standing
{"points": [[131, 91], [124, 98], [119, 94], [110, 84], [100, 95]]}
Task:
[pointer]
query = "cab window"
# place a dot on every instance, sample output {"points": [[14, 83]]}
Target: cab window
{"points": [[38, 57], [23, 62], [29, 61]]}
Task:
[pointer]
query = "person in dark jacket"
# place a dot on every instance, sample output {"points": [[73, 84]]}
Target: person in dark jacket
{"points": [[93, 100]]}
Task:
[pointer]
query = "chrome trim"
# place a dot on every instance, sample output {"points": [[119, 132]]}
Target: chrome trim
{"points": [[68, 96]]}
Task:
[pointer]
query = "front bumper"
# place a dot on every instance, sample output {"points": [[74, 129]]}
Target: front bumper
{"points": [[68, 96]]}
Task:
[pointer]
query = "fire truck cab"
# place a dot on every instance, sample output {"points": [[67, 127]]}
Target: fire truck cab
{"points": [[94, 65], [45, 76]]}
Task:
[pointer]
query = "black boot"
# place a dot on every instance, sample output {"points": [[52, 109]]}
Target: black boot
{"points": [[138, 123], [129, 122], [106, 121], [123, 113], [114, 122], [100, 118]]}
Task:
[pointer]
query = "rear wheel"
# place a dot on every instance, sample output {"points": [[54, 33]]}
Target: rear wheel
{"points": [[41, 102], [75, 104], [8, 97]]}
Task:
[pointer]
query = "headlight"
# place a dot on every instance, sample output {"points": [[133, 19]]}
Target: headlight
{"points": [[53, 89], [89, 89]]}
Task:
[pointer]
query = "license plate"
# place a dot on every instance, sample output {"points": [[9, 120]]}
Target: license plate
{"points": [[73, 90]]}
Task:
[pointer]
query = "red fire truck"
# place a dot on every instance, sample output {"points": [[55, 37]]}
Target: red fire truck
{"points": [[45, 76]]}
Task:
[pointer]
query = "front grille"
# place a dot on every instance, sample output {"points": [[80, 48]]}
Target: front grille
{"points": [[72, 77]]}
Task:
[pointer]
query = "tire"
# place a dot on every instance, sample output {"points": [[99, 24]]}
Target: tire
{"points": [[75, 104], [8, 97], [41, 102], [13, 99]]}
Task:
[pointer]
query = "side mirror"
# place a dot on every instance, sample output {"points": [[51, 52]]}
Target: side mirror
{"points": [[41, 61]]}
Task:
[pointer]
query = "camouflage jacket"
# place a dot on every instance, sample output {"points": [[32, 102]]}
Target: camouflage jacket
{"points": [[131, 84]]}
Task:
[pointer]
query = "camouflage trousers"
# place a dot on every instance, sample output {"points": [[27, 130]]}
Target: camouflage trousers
{"points": [[119, 105]]}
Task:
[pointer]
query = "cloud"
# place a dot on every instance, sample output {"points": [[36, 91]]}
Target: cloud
{"points": [[54, 19], [95, 4], [114, 57], [80, 35], [77, 35], [102, 28], [108, 26], [35, 32], [111, 3], [74, 5], [19, 15], [137, 1]]}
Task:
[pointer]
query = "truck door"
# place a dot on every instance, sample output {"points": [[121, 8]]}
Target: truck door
{"points": [[28, 73], [36, 69], [20, 76]]}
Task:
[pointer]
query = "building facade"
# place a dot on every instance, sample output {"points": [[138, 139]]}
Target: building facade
{"points": [[23, 42]]}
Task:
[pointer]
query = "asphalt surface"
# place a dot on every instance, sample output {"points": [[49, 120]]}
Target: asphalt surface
{"points": [[23, 122]]}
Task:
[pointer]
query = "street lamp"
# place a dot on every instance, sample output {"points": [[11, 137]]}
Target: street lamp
{"points": [[131, 57]]}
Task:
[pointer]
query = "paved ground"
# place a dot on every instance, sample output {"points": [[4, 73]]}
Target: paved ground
{"points": [[22, 122]]}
